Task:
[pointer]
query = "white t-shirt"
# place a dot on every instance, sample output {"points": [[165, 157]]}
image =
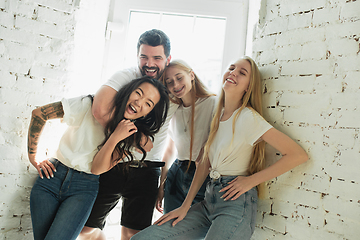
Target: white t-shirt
{"points": [[121, 78], [182, 120], [233, 159], [79, 143]]}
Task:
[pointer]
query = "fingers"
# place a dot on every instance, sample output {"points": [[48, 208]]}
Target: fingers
{"points": [[40, 172], [229, 194], [176, 221], [47, 168], [231, 191], [236, 196], [226, 188], [165, 218], [159, 206], [130, 126], [161, 219]]}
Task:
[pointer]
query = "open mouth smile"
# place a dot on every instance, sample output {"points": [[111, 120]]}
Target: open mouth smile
{"points": [[178, 90], [230, 80], [132, 108], [150, 70]]}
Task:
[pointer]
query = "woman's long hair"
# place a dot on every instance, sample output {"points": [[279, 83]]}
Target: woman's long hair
{"points": [[252, 99], [147, 125], [198, 90]]}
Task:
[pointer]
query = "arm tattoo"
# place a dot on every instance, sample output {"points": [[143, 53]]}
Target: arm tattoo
{"points": [[36, 126], [53, 110], [50, 111]]}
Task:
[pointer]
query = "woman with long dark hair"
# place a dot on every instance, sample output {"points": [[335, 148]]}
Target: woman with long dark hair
{"points": [[61, 203]]}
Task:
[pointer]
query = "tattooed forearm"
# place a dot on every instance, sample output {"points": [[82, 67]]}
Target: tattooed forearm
{"points": [[35, 128], [38, 120]]}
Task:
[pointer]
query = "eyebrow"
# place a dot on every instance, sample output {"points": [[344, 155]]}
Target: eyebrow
{"points": [[175, 75], [157, 56], [148, 98], [233, 65]]}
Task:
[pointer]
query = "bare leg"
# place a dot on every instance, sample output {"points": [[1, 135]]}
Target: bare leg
{"points": [[88, 233], [127, 233]]}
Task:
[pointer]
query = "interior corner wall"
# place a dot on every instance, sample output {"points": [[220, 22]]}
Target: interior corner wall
{"points": [[38, 45], [308, 53]]}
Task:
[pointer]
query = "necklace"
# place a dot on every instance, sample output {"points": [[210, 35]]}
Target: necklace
{"points": [[185, 123]]}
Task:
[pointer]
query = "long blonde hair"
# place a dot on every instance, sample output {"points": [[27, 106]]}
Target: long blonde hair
{"points": [[251, 99], [198, 90]]}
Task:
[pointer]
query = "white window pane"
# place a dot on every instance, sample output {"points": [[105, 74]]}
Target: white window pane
{"points": [[209, 34], [179, 29], [198, 40], [139, 23]]}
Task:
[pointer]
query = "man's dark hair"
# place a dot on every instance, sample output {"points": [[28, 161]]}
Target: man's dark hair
{"points": [[155, 37]]}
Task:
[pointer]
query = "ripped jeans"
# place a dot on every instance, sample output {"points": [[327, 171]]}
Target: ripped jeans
{"points": [[213, 218]]}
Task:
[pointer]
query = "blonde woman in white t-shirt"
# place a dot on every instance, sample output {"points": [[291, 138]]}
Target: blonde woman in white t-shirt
{"points": [[234, 158], [61, 202], [189, 129]]}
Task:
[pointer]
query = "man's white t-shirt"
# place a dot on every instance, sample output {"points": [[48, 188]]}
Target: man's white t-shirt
{"points": [[121, 78], [230, 154]]}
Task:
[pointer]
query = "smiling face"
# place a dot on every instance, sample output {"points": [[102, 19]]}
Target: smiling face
{"points": [[237, 77], [141, 101], [178, 82], [152, 60]]}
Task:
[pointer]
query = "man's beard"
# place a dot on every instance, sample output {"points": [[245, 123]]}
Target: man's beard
{"points": [[157, 70]]}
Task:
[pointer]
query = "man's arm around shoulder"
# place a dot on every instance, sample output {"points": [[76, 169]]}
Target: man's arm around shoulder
{"points": [[102, 104]]}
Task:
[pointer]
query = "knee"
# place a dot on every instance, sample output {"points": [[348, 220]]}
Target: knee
{"points": [[127, 233], [89, 233], [88, 230]]}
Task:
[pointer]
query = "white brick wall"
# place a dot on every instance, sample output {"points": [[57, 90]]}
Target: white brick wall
{"points": [[308, 52], [37, 45]]}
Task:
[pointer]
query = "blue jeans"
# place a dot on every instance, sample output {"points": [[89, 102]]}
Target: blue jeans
{"points": [[61, 205], [211, 219], [178, 182]]}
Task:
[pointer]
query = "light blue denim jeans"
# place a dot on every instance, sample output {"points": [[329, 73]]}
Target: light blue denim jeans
{"points": [[61, 205], [212, 218], [178, 182]]}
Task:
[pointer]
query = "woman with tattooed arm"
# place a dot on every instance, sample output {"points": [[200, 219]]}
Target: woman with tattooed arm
{"points": [[61, 202]]}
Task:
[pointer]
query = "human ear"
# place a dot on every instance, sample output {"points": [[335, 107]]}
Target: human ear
{"points": [[168, 60], [192, 75]]}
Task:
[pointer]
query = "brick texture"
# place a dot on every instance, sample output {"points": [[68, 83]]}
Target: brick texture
{"points": [[308, 53]]}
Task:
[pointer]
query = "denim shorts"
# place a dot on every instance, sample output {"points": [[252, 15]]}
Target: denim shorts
{"points": [[211, 219], [138, 188]]}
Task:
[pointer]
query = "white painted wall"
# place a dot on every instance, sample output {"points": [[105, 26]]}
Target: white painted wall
{"points": [[308, 53], [40, 45]]}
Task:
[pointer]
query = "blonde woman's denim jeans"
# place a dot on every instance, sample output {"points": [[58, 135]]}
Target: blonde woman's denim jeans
{"points": [[61, 205], [211, 219], [178, 181]]}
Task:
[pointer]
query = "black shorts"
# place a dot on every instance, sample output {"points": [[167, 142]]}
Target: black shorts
{"points": [[138, 188]]}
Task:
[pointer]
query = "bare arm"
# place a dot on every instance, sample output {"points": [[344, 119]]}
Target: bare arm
{"points": [[292, 156], [102, 104], [38, 119], [202, 171], [168, 156], [103, 160]]}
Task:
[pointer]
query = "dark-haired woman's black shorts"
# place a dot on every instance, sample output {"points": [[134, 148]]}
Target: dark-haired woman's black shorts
{"points": [[138, 188]]}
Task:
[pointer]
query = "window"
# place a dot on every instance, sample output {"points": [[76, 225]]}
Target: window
{"points": [[206, 34], [198, 40]]}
